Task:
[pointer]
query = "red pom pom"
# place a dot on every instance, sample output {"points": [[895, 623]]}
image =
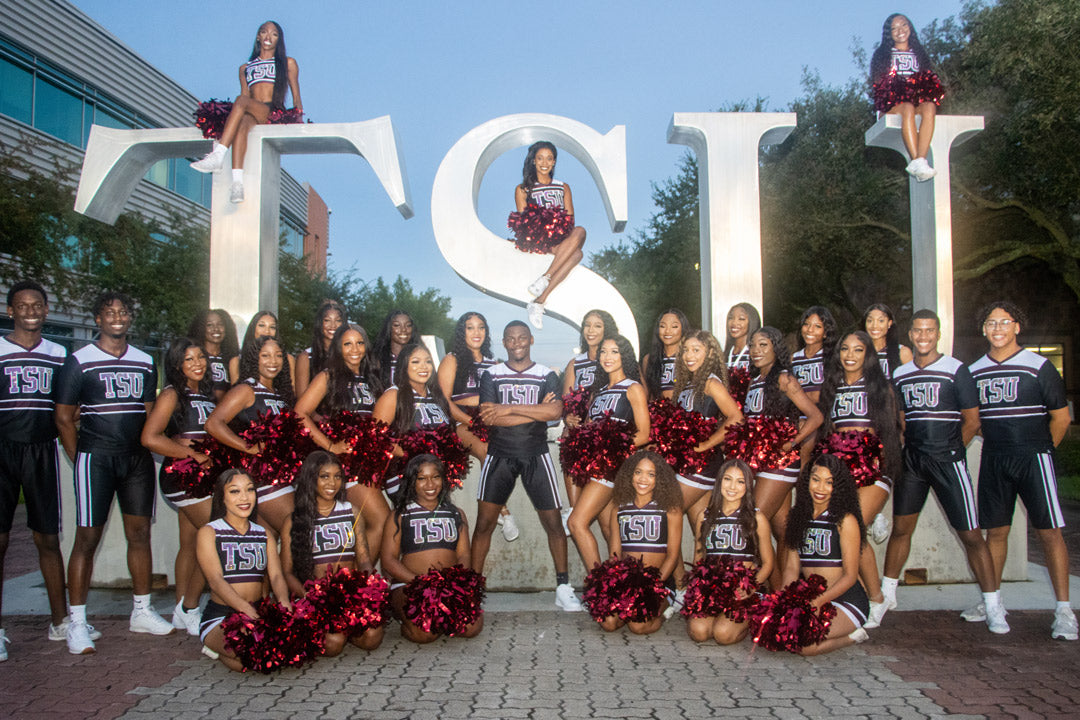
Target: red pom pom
{"points": [[346, 601], [210, 117], [285, 443], [576, 402], [197, 481], [443, 443], [720, 585], [624, 587], [445, 601], [861, 450], [478, 427], [595, 450], [285, 116], [738, 384], [675, 432], [278, 638], [892, 89], [758, 440], [787, 621], [371, 441], [539, 230]]}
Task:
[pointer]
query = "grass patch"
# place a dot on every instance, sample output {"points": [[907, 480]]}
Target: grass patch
{"points": [[1067, 463]]}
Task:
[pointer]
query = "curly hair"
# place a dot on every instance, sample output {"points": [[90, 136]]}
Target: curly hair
{"points": [[666, 493], [1011, 308], [319, 354], [107, 298], [844, 500], [382, 350], [528, 171], [406, 405], [655, 369], [776, 403], [26, 285], [281, 65], [174, 373], [881, 60], [306, 511], [828, 322], [881, 401], [338, 375], [714, 365], [247, 369], [230, 346], [746, 515], [629, 365], [752, 327], [406, 493], [282, 381], [217, 499], [892, 335], [459, 348]]}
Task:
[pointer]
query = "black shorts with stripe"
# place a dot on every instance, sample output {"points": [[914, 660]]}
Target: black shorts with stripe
{"points": [[1004, 477], [950, 481], [99, 477], [498, 475], [33, 468]]}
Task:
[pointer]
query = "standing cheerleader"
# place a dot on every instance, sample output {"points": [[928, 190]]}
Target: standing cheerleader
{"points": [[426, 532], [264, 324], [267, 392], [539, 189], [215, 331], [235, 586], [325, 533], [904, 84], [658, 366], [263, 81], [312, 360], [647, 526], [731, 526], [174, 423], [622, 398], [817, 339], [880, 326], [857, 396], [823, 537], [418, 403], [743, 320], [397, 331], [346, 386]]}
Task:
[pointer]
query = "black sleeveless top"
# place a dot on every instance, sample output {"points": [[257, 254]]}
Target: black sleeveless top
{"points": [[188, 420], [267, 402], [703, 405], [612, 402], [727, 538], [423, 529]]}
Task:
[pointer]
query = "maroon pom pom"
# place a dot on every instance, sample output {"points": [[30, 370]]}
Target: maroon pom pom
{"points": [[576, 402], [539, 230], [738, 383], [477, 427], [595, 450], [197, 481], [346, 601], [277, 639], [758, 440], [445, 601], [892, 89], [786, 620], [285, 116], [442, 442], [371, 441], [285, 443], [861, 450], [720, 585], [210, 117], [675, 432], [626, 588]]}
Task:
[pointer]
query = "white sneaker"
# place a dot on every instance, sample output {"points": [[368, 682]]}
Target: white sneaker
{"points": [[879, 529], [924, 172], [566, 599], [4, 641], [536, 314], [539, 285], [236, 192], [912, 167], [510, 529], [859, 635], [675, 605], [976, 614], [185, 620], [1064, 627], [212, 161], [995, 620], [877, 612], [78, 639], [210, 653], [565, 512], [148, 621], [58, 633]]}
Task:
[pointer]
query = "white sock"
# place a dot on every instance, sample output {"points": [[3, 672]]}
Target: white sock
{"points": [[1064, 605], [238, 175], [142, 602], [888, 587], [992, 599], [78, 614]]}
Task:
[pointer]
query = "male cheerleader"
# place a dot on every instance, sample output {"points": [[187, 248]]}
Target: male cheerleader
{"points": [[941, 416], [1024, 416], [517, 400], [112, 386]]}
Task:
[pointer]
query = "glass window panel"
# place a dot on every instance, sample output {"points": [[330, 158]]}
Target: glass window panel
{"points": [[58, 113], [189, 183], [16, 92], [159, 173]]}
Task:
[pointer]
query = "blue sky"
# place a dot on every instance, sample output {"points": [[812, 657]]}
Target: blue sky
{"points": [[441, 69]]}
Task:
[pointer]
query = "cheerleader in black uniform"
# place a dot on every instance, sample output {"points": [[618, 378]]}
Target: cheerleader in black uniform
{"points": [[264, 324], [743, 320], [647, 525], [619, 396], [215, 331], [418, 403], [823, 538], [346, 385], [325, 533], [731, 525], [857, 396], [818, 334], [658, 366], [312, 360], [267, 392], [880, 326], [539, 187], [397, 331], [425, 532], [904, 84], [174, 423], [235, 587]]}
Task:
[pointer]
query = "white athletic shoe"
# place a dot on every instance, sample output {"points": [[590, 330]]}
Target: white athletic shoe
{"points": [[58, 633], [188, 621], [148, 621], [924, 172], [859, 635], [78, 639], [536, 314], [1064, 627], [510, 529], [877, 612], [212, 161], [976, 614], [675, 605], [539, 285], [879, 528], [995, 620], [236, 192], [4, 641], [565, 512], [912, 167], [566, 599]]}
